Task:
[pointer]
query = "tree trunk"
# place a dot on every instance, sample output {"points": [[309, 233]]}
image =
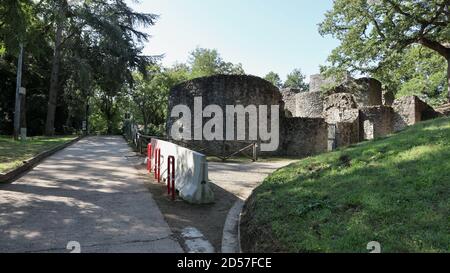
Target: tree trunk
{"points": [[145, 118], [448, 78], [23, 111], [53, 92]]}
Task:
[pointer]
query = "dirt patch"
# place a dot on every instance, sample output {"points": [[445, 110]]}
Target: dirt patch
{"points": [[209, 219]]}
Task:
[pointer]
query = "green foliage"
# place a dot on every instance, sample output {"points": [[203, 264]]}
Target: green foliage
{"points": [[16, 21], [296, 80], [149, 96], [274, 78], [376, 34], [97, 122], [392, 190], [207, 62], [100, 48], [179, 72], [418, 71]]}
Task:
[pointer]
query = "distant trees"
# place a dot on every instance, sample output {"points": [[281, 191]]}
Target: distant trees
{"points": [[274, 78], [376, 34], [149, 95], [207, 62], [296, 80]]}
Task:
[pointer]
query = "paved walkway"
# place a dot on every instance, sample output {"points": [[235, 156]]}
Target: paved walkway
{"points": [[90, 193], [241, 179]]}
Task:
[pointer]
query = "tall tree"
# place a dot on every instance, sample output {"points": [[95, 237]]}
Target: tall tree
{"points": [[374, 32], [418, 71], [274, 78], [208, 62], [15, 22], [296, 80], [150, 95], [18, 27], [60, 15], [112, 30]]}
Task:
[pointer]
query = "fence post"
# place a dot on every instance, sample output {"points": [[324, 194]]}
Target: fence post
{"points": [[171, 176], [255, 152], [149, 157], [158, 164]]}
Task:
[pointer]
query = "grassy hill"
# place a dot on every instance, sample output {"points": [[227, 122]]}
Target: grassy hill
{"points": [[393, 190]]}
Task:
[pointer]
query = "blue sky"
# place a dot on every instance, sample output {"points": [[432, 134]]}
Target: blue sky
{"points": [[263, 35]]}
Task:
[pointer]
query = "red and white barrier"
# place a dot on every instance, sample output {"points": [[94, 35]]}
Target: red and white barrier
{"points": [[171, 190], [149, 156], [189, 173]]}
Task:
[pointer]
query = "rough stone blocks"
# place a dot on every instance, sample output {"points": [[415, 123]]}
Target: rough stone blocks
{"points": [[375, 121]]}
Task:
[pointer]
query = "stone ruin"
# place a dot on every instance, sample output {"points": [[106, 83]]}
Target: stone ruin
{"points": [[331, 115], [223, 90], [355, 110]]}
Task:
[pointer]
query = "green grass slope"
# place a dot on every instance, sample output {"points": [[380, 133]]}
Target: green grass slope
{"points": [[394, 191]]}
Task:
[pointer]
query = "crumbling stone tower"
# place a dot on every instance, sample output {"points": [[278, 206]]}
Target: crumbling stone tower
{"points": [[333, 114]]}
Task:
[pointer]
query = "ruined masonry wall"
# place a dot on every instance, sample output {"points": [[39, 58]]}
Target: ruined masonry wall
{"points": [[309, 105], [375, 121], [290, 101], [304, 136]]}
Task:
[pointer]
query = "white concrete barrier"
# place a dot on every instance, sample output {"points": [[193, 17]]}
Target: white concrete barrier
{"points": [[191, 171]]}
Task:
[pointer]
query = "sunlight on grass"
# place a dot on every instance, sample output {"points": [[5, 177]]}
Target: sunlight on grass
{"points": [[392, 190], [13, 153]]}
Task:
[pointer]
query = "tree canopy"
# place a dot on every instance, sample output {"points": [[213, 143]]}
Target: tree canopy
{"points": [[73, 50], [274, 78], [374, 33], [208, 62], [296, 80]]}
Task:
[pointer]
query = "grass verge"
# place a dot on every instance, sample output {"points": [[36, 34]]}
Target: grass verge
{"points": [[394, 191], [13, 153]]}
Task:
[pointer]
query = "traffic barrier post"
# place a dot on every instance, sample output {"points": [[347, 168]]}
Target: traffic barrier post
{"points": [[171, 177], [149, 157], [158, 164]]}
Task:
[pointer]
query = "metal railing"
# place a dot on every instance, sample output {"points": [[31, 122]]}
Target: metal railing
{"points": [[140, 142]]}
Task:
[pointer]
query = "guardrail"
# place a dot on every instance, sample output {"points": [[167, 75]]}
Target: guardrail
{"points": [[141, 141], [188, 168]]}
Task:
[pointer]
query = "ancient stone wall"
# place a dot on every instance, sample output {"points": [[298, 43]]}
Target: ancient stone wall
{"points": [[336, 106], [223, 90], [342, 115], [405, 113], [309, 122], [309, 105], [320, 83], [411, 110], [347, 133], [290, 101], [367, 91], [375, 121], [388, 98], [303, 137]]}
